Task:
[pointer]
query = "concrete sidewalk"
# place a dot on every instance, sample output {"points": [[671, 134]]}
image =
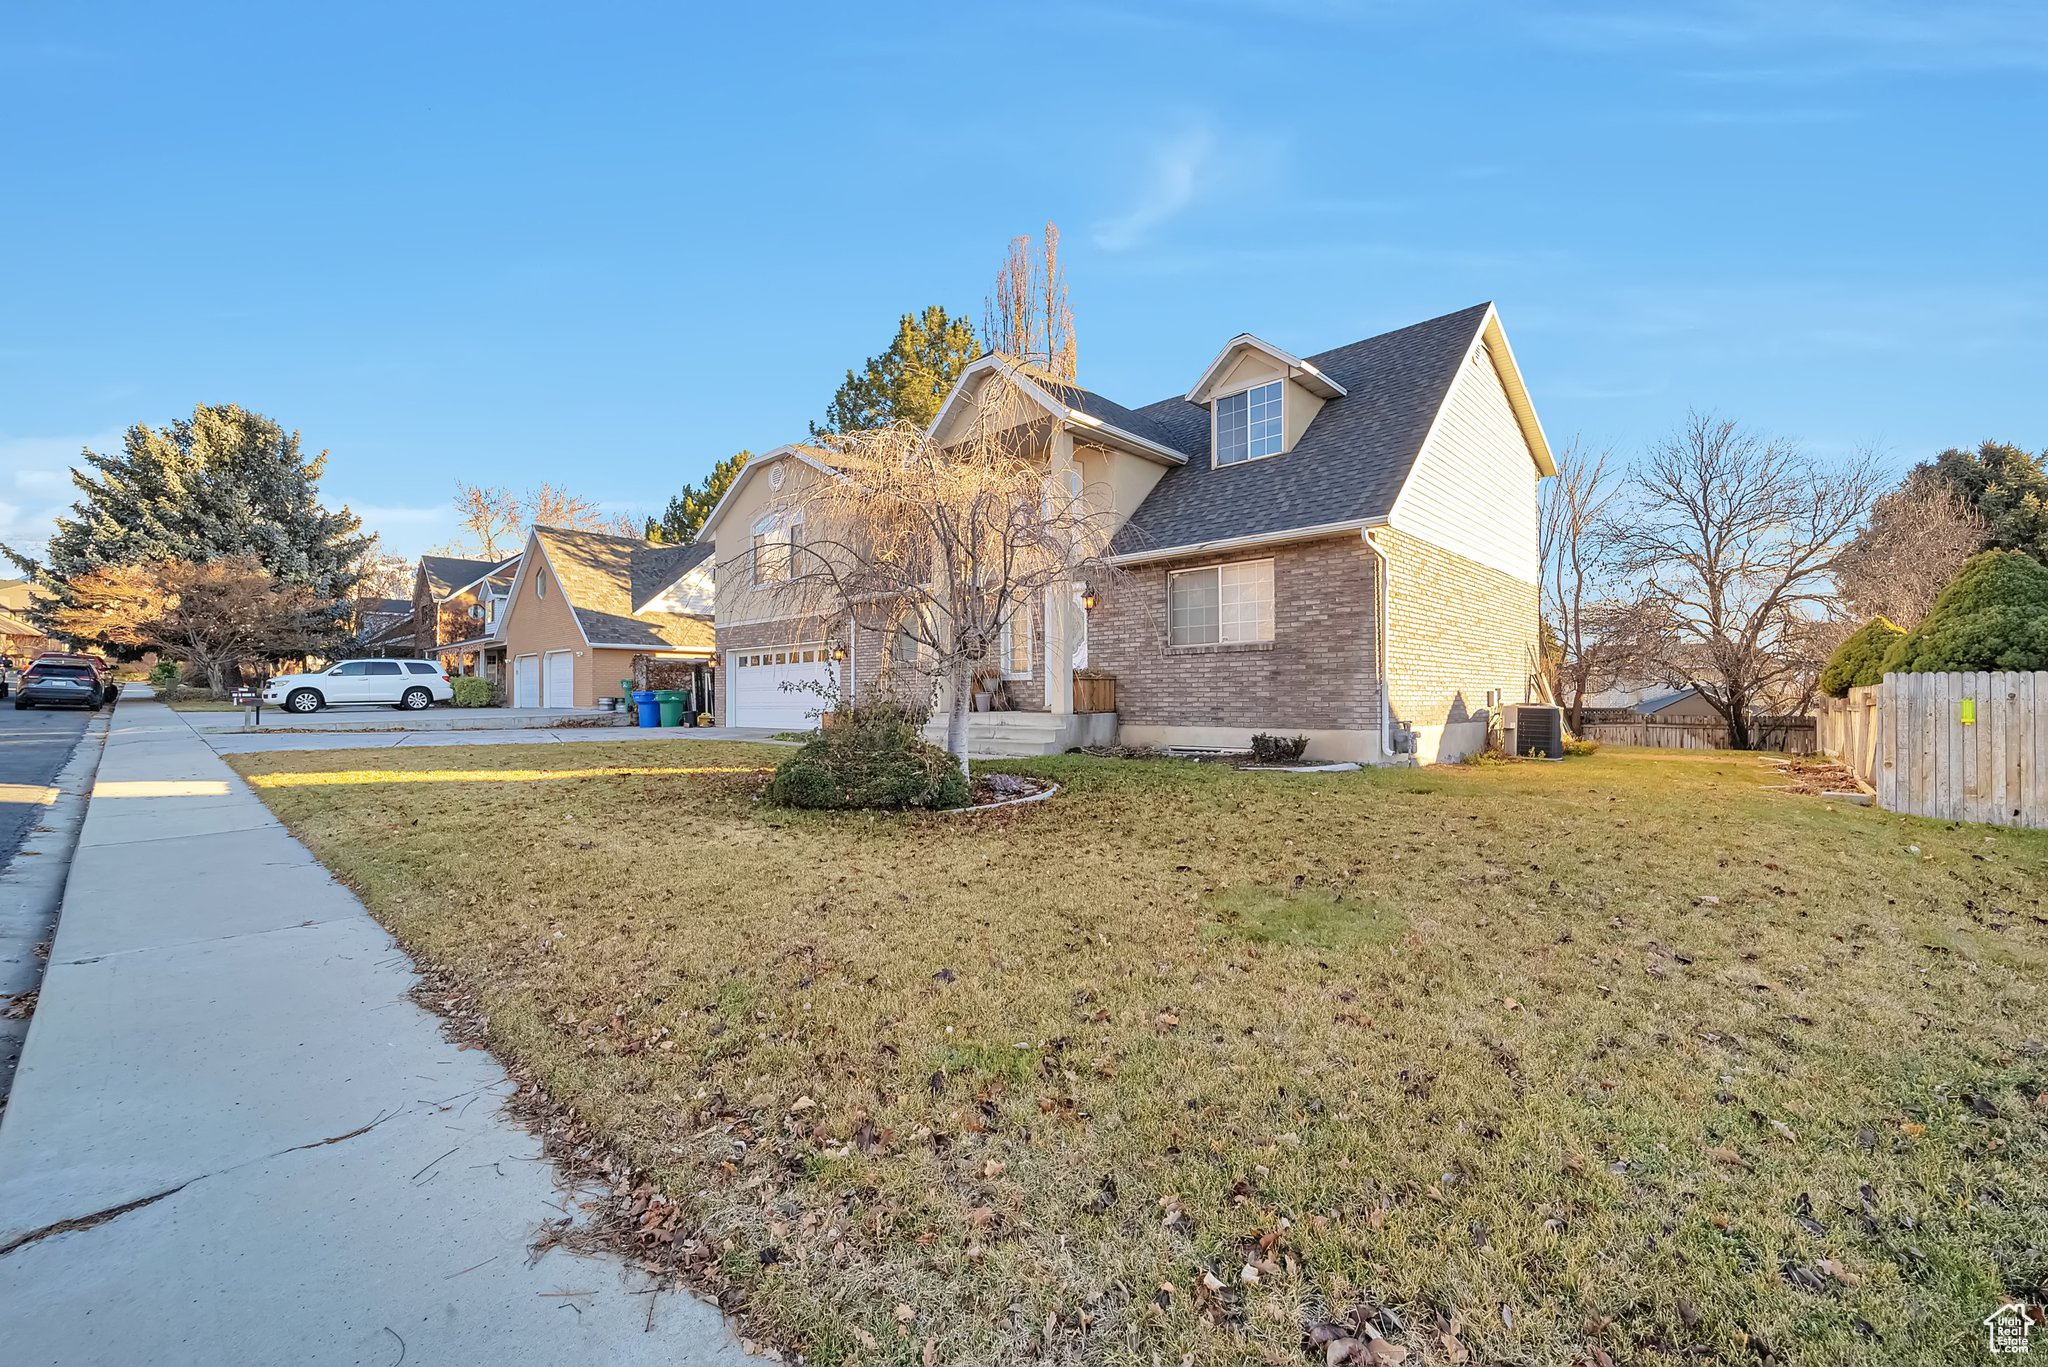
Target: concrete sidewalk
{"points": [[243, 742], [233, 1139], [379, 718]]}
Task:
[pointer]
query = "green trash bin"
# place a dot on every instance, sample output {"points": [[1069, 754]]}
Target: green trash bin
{"points": [[671, 706]]}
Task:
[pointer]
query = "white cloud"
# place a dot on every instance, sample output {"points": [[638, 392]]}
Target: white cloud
{"points": [[35, 472], [1173, 181]]}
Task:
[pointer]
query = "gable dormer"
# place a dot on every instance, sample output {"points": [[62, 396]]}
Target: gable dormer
{"points": [[1260, 400]]}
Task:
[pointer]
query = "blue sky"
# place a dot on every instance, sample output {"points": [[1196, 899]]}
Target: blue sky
{"points": [[605, 245]]}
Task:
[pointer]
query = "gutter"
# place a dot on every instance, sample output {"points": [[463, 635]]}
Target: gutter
{"points": [[1380, 644], [1356, 524]]}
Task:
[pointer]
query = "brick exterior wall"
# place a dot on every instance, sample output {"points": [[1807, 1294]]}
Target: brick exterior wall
{"points": [[1456, 629], [1317, 673]]}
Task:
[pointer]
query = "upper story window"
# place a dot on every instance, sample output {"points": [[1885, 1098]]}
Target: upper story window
{"points": [[775, 543], [1249, 424], [540, 583]]}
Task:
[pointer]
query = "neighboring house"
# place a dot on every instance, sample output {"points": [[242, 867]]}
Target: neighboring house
{"points": [[455, 607], [383, 626], [20, 640], [1678, 704], [581, 605], [1342, 546]]}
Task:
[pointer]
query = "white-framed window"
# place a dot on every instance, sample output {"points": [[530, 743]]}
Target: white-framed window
{"points": [[1220, 604], [775, 543], [1251, 423], [540, 583], [1013, 649]]}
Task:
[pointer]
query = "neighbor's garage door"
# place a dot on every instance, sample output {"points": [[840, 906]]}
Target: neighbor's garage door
{"points": [[757, 697], [561, 679], [526, 681]]}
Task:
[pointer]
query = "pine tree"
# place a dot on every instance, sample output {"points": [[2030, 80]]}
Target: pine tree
{"points": [[225, 483], [909, 380], [680, 522]]}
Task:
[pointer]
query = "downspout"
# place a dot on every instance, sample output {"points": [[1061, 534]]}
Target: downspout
{"points": [[1380, 643]]}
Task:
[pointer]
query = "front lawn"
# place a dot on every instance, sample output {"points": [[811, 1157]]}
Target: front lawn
{"points": [[1624, 1059]]}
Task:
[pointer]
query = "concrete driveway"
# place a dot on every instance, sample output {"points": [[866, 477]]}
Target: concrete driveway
{"points": [[233, 1137]]}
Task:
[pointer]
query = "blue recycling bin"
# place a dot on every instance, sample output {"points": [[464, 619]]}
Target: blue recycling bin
{"points": [[648, 708]]}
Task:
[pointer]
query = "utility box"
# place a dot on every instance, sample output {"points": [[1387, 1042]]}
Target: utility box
{"points": [[1537, 730]]}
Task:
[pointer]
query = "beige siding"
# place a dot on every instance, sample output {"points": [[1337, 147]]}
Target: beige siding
{"points": [[1456, 630], [1473, 490]]}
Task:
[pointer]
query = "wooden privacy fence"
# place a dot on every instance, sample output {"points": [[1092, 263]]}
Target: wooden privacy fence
{"points": [[1963, 747], [1793, 735], [1848, 731]]}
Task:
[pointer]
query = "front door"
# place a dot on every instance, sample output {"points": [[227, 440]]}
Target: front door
{"points": [[526, 681], [559, 690]]}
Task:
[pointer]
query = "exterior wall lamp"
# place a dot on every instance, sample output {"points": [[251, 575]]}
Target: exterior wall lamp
{"points": [[1088, 600]]}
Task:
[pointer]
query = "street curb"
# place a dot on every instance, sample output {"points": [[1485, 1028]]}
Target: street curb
{"points": [[32, 889]]}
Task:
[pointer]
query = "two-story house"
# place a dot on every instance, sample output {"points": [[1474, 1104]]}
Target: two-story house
{"points": [[1341, 545]]}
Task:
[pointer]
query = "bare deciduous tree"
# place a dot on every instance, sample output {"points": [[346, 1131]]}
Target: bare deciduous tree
{"points": [[1028, 316], [493, 520], [1918, 537], [1736, 539], [938, 546], [218, 615], [1603, 635]]}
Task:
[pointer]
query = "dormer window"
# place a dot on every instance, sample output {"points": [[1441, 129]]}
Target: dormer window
{"points": [[1249, 424]]}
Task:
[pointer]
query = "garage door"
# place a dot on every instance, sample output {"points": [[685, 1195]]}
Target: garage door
{"points": [[757, 697], [526, 681], [561, 679]]}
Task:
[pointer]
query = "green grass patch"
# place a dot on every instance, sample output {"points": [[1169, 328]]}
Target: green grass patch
{"points": [[1304, 918]]}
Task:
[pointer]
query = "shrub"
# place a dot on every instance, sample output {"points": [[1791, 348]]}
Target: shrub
{"points": [[1278, 749], [163, 676], [1578, 745], [1859, 661], [471, 691], [1992, 615], [874, 758]]}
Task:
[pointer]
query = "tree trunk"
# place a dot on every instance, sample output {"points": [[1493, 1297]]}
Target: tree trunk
{"points": [[217, 677], [961, 680]]}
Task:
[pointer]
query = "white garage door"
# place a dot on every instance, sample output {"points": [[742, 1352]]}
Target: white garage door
{"points": [[561, 679], [756, 679], [526, 681]]}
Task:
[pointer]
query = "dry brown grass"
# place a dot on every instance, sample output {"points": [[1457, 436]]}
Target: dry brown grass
{"points": [[1627, 1055]]}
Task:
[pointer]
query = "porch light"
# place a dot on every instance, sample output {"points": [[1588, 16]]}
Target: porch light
{"points": [[1088, 600], [838, 654]]}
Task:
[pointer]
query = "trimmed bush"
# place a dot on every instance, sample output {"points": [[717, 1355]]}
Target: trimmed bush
{"points": [[164, 676], [1859, 661], [1992, 615], [471, 691], [874, 759]]}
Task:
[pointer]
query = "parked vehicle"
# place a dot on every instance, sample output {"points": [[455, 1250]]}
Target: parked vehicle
{"points": [[413, 685], [61, 683]]}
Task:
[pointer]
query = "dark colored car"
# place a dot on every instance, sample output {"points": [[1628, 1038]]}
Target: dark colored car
{"points": [[54, 683]]}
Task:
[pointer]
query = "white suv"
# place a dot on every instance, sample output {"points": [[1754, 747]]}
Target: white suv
{"points": [[414, 685]]}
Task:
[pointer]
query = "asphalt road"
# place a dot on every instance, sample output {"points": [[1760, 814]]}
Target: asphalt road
{"points": [[33, 747]]}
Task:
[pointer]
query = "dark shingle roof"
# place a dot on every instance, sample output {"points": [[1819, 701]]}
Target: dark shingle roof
{"points": [[447, 573], [1348, 466], [608, 579]]}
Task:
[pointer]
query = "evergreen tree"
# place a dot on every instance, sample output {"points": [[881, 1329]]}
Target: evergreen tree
{"points": [[226, 483], [1994, 615], [2007, 487], [909, 380], [680, 522]]}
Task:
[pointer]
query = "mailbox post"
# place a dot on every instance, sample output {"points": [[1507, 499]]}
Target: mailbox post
{"points": [[250, 700]]}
